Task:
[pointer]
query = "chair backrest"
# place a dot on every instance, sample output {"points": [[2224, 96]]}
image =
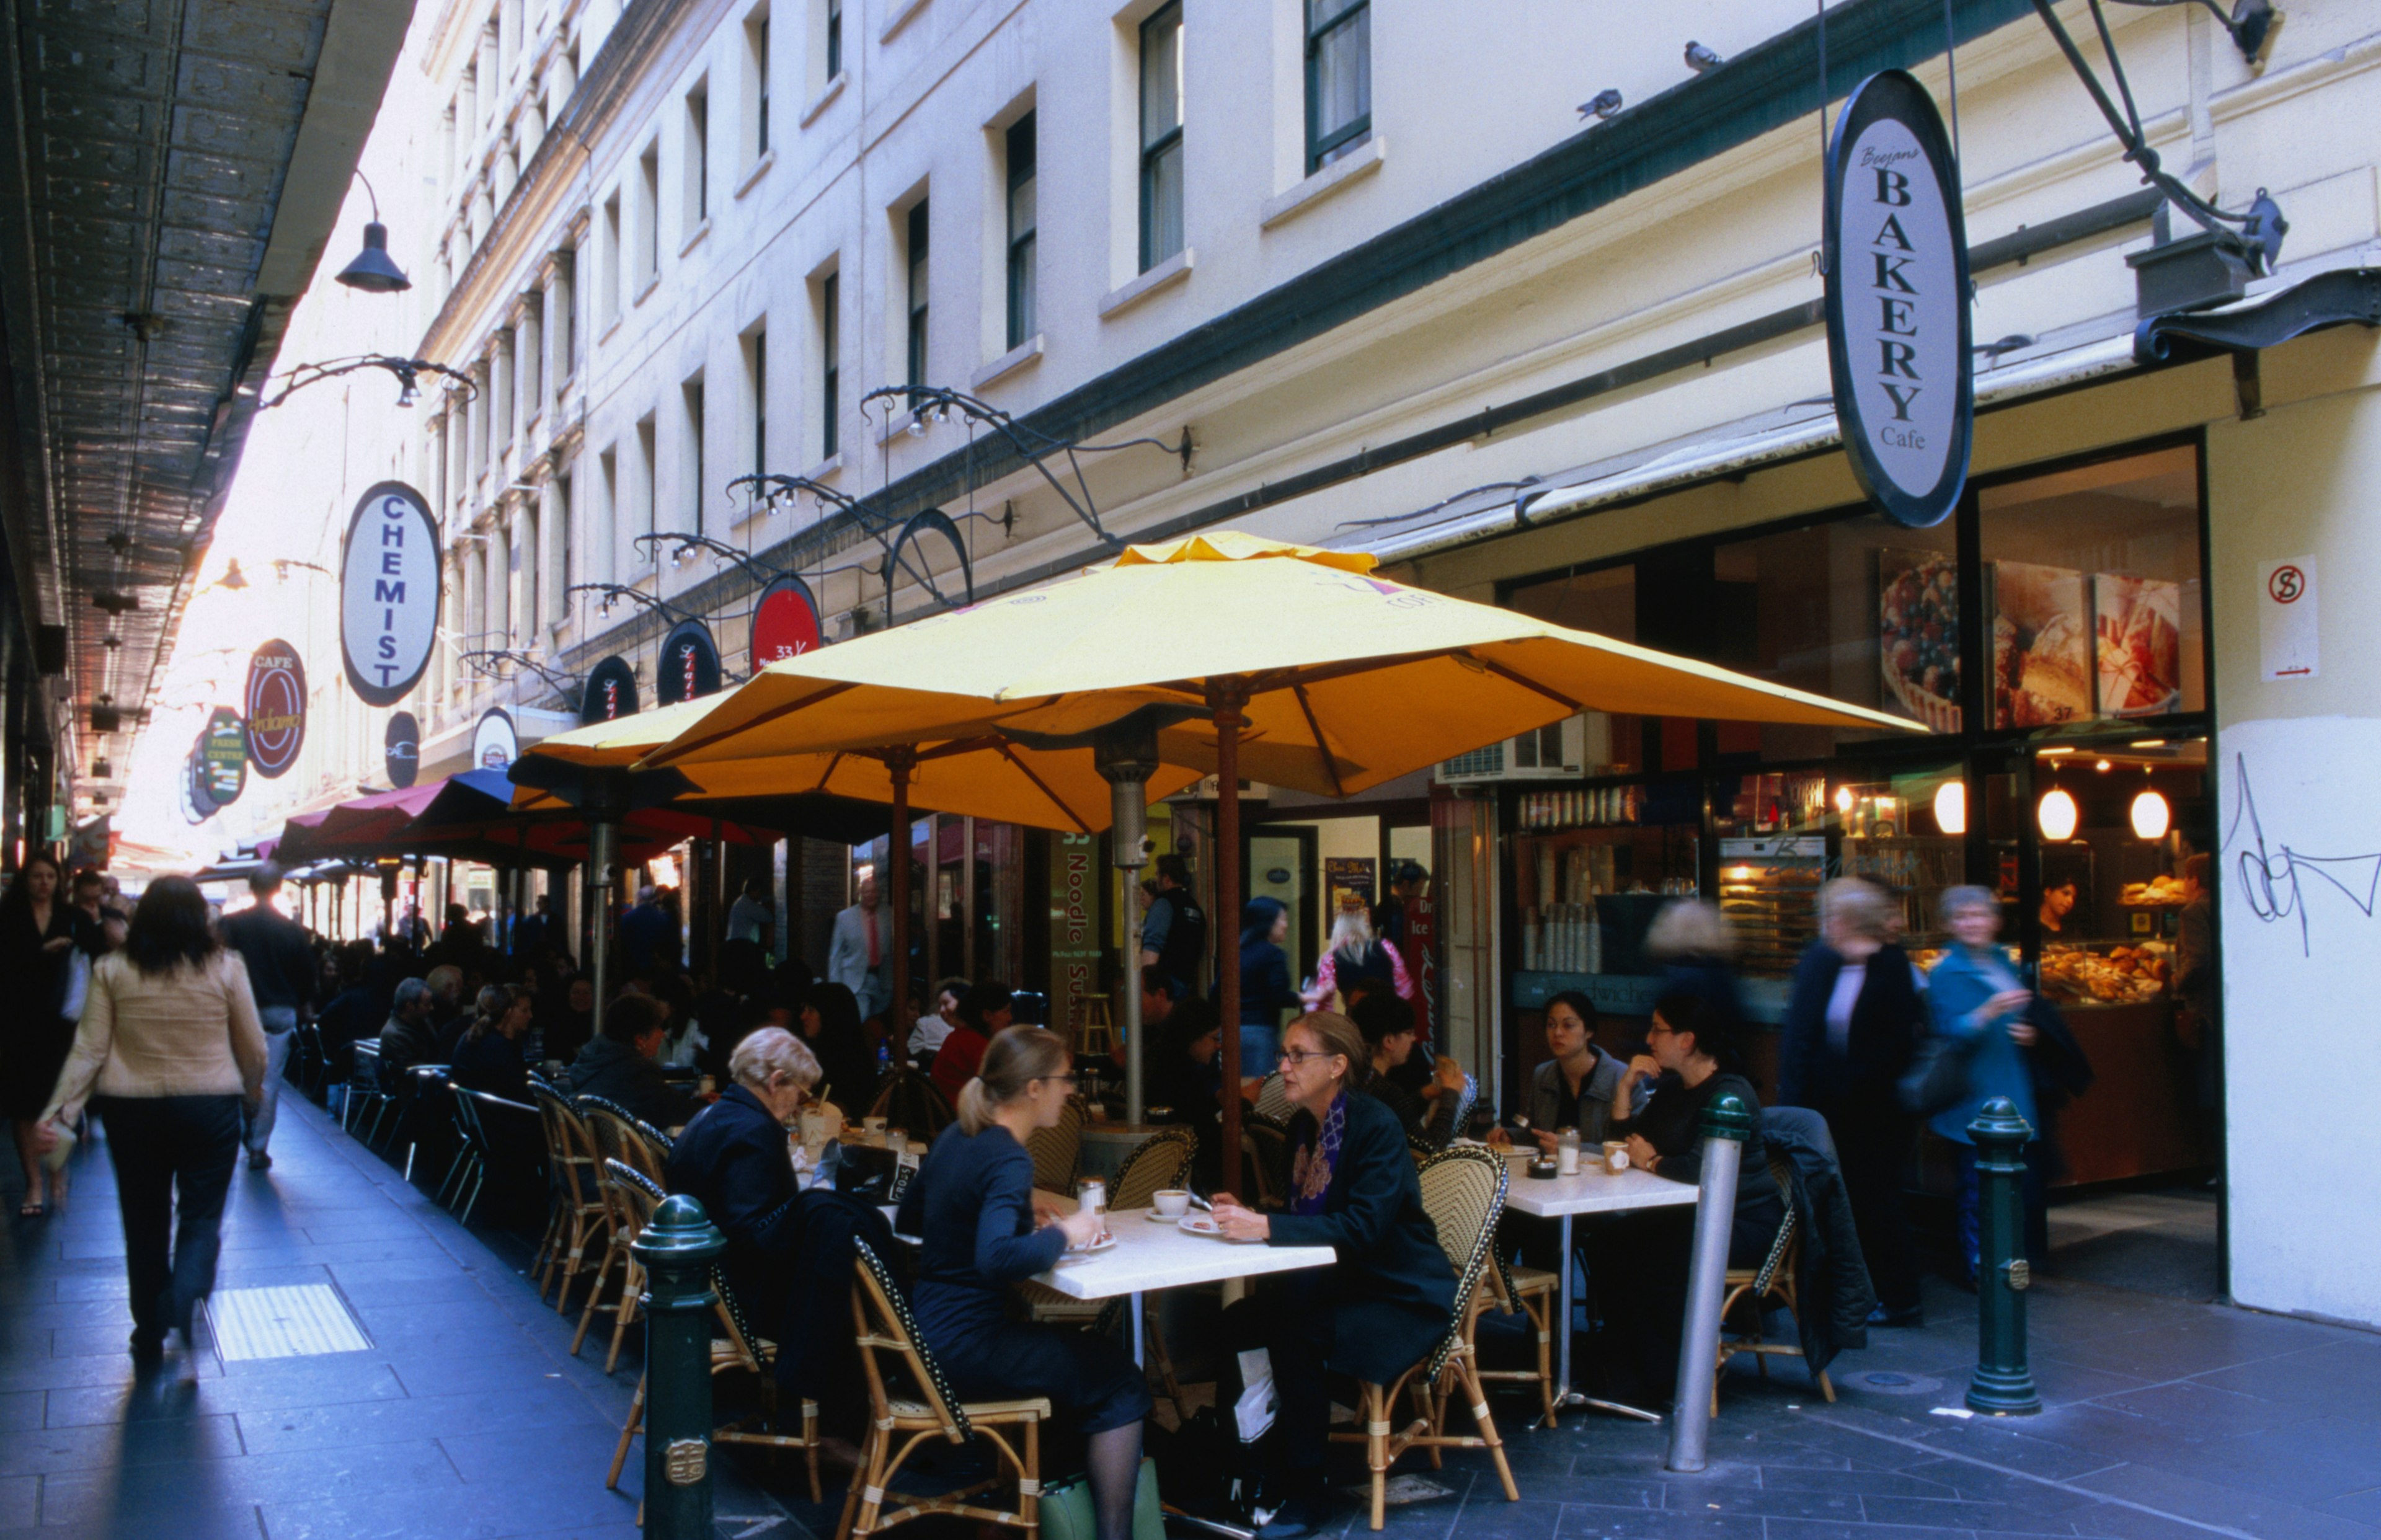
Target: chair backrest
{"points": [[1058, 1150], [881, 1314], [1157, 1163], [1782, 1248], [1463, 1192], [621, 1135], [1464, 1104], [1273, 1097], [569, 1146], [913, 1102], [363, 1066], [1266, 1142]]}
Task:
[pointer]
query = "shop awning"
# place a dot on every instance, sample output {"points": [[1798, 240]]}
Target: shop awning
{"points": [[472, 818], [356, 829]]}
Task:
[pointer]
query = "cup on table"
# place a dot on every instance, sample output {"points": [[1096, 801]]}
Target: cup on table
{"points": [[707, 1086], [898, 1141], [1615, 1157], [1173, 1202], [872, 1127]]}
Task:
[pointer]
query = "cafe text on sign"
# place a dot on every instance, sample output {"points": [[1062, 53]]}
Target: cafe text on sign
{"points": [[1898, 327], [388, 593], [276, 709]]}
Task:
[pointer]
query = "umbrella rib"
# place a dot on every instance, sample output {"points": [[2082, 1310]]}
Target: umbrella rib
{"points": [[1339, 788], [1504, 673], [829, 774], [1056, 801], [670, 754]]}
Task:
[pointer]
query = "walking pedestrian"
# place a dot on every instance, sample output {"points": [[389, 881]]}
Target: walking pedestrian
{"points": [[1355, 954], [281, 975], [168, 1049], [1174, 930], [1975, 1000], [1696, 946], [37, 935], [1852, 1021], [855, 956], [1266, 989]]}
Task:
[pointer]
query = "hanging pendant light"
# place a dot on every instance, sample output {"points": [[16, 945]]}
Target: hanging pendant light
{"points": [[2152, 816], [1951, 807], [2057, 814]]}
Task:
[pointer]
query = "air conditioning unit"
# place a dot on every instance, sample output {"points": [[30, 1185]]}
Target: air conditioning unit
{"points": [[1556, 751]]}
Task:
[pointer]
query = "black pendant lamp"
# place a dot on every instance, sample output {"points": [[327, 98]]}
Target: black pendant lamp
{"points": [[372, 270]]}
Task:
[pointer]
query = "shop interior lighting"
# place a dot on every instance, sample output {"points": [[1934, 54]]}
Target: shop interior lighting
{"points": [[1844, 799], [2055, 752], [1951, 807], [2149, 743], [2056, 815], [2151, 816], [2103, 767]]}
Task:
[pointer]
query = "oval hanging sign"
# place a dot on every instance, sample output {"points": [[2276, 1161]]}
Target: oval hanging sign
{"points": [[388, 593], [689, 669], [222, 755], [1899, 324], [194, 783], [784, 623], [276, 709], [401, 749], [495, 744], [610, 692]]}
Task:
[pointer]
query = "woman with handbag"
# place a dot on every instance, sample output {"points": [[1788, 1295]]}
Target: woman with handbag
{"points": [[168, 1049], [1976, 1005], [39, 932]]}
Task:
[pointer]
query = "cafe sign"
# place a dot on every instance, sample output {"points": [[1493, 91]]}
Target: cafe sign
{"points": [[222, 755], [689, 669], [276, 709], [388, 593], [494, 742], [784, 623], [401, 749], [610, 692], [1899, 324]]}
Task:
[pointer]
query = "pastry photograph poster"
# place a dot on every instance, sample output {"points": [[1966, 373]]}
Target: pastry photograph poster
{"points": [[1918, 635], [2042, 644], [2140, 626]]}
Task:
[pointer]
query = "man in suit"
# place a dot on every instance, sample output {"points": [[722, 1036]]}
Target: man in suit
{"points": [[856, 956]]}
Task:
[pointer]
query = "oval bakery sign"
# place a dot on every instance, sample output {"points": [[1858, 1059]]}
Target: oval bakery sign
{"points": [[1897, 317], [276, 709]]}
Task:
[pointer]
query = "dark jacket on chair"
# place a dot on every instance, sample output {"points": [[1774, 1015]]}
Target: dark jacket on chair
{"points": [[1832, 1282], [1392, 1291], [617, 1072]]}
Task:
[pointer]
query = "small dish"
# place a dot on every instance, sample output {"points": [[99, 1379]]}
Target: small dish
{"points": [[1199, 1224], [1156, 1219], [1104, 1243]]}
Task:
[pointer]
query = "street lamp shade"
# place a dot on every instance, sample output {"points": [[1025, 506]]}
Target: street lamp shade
{"points": [[373, 272]]}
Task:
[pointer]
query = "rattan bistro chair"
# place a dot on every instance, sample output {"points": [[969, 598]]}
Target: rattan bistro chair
{"points": [[1464, 1190], [1159, 1162], [1058, 1151], [1759, 1287], [620, 1137], [367, 1104], [1531, 1290], [910, 1402], [734, 1347], [576, 1214]]}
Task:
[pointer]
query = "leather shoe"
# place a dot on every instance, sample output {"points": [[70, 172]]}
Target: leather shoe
{"points": [[1908, 1315]]}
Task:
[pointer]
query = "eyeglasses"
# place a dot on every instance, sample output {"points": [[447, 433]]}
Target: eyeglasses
{"points": [[1070, 1080], [1292, 1055], [1659, 1025]]}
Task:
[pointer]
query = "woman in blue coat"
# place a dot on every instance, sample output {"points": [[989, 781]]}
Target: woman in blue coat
{"points": [[1974, 997], [1385, 1303], [972, 1202]]}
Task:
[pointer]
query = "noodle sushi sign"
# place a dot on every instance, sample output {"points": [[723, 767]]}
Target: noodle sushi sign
{"points": [[276, 709], [1897, 317], [388, 593]]}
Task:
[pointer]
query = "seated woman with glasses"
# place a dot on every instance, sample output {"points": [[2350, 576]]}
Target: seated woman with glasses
{"points": [[790, 1253], [1385, 1303], [972, 1202], [1640, 1261]]}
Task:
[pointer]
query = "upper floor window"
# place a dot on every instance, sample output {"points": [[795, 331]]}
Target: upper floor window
{"points": [[1160, 135], [917, 254], [610, 256], [1339, 78], [756, 42], [834, 38], [697, 156], [649, 213], [1023, 219], [830, 297]]}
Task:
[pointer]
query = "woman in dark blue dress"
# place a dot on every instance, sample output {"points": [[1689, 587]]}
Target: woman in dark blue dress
{"points": [[973, 1205], [1380, 1308]]}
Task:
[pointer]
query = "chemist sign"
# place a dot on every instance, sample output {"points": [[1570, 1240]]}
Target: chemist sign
{"points": [[1897, 314], [388, 593]]}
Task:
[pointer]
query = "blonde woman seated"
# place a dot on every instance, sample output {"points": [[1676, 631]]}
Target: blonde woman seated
{"points": [[790, 1253], [972, 1202]]}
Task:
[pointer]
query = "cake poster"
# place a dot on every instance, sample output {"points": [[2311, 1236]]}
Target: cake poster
{"points": [[2042, 661], [2139, 626]]}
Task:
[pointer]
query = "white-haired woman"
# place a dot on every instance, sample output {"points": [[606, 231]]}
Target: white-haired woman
{"points": [[790, 1253], [1355, 952], [1853, 1018], [973, 1206]]}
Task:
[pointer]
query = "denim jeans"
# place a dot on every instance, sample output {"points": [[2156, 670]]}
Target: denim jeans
{"points": [[1260, 1049], [280, 1031]]}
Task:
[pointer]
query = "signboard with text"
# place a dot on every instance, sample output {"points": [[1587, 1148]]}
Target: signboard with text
{"points": [[689, 666], [223, 755], [401, 749], [784, 623], [276, 709], [610, 692], [388, 593], [494, 743]]}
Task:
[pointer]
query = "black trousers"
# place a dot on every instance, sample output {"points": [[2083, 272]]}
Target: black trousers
{"points": [[1292, 1320], [817, 1355], [170, 1154], [1874, 1139]]}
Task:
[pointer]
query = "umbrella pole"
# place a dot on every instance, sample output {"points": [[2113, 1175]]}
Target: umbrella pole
{"points": [[896, 959], [602, 853], [1226, 700]]}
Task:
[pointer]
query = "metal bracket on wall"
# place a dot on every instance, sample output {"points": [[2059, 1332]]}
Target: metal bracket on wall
{"points": [[2349, 294]]}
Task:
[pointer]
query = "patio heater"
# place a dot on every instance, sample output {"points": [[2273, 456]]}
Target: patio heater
{"points": [[1125, 753]]}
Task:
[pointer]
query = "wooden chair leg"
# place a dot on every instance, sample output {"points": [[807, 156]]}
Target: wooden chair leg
{"points": [[1029, 1503], [810, 1445], [872, 1500], [1376, 1450], [1547, 1361], [632, 1285], [1826, 1387], [851, 1493], [1479, 1414], [627, 1432], [595, 1295]]}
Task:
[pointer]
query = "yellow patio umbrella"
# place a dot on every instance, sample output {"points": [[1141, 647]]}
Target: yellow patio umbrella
{"points": [[1294, 664]]}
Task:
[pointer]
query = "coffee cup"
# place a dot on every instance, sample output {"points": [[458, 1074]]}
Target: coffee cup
{"points": [[872, 1127], [1615, 1157], [1173, 1202]]}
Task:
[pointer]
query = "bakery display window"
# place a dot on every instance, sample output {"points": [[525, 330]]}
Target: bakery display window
{"points": [[2092, 582]]}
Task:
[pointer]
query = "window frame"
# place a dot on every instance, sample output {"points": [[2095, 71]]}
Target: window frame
{"points": [[1024, 311], [1154, 154], [1322, 149], [830, 364], [834, 38], [917, 263]]}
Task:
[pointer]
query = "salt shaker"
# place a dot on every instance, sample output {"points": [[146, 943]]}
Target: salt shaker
{"points": [[1567, 1153], [1092, 1197]]}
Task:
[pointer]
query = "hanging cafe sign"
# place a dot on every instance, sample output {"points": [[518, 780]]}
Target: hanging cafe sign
{"points": [[610, 692], [784, 623], [276, 709], [1899, 324], [494, 743], [388, 593], [401, 749], [223, 756], [689, 669]]}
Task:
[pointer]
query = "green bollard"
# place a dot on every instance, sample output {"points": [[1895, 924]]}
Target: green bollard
{"points": [[2002, 1384], [677, 1249]]}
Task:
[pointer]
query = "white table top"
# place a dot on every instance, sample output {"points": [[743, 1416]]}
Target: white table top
{"points": [[1594, 1191], [1150, 1255]]}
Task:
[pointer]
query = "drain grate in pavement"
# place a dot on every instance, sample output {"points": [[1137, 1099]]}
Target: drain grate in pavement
{"points": [[1401, 1490], [299, 1321]]}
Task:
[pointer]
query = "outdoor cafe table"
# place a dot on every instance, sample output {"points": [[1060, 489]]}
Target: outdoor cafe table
{"points": [[1150, 1255], [1594, 1191]]}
